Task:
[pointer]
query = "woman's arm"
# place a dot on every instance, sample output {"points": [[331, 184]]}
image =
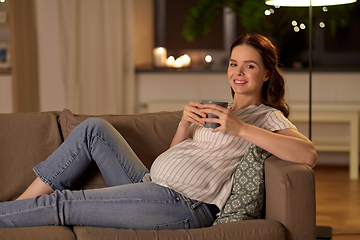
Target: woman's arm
{"points": [[287, 144], [191, 114]]}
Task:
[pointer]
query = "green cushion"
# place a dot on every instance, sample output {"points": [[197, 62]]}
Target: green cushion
{"points": [[247, 194]]}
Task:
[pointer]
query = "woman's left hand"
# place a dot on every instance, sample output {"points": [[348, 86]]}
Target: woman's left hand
{"points": [[228, 121]]}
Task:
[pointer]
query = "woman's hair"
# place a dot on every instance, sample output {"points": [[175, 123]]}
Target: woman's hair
{"points": [[273, 90]]}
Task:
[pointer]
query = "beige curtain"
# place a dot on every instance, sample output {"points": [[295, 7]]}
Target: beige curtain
{"points": [[97, 55]]}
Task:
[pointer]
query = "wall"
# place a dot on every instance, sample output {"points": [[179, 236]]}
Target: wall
{"points": [[51, 82]]}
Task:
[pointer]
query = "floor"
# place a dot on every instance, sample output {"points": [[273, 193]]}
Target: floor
{"points": [[337, 202]]}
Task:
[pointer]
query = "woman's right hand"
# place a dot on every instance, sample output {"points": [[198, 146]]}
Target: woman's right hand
{"points": [[192, 114]]}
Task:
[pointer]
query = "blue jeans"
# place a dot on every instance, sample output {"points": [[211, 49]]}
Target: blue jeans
{"points": [[127, 202]]}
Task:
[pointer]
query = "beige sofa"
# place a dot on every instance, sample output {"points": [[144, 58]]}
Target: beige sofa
{"points": [[28, 138]]}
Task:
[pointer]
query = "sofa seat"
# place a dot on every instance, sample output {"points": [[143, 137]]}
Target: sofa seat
{"points": [[249, 230], [37, 233]]}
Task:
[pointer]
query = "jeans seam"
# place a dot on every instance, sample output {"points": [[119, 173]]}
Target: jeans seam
{"points": [[27, 210], [117, 156], [127, 199], [47, 182]]}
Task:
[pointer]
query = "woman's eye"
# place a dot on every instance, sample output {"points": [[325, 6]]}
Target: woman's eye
{"points": [[250, 66], [233, 64]]}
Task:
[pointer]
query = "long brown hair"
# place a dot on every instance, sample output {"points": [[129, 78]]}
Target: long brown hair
{"points": [[273, 90]]}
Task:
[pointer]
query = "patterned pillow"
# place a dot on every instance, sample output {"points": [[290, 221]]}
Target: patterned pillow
{"points": [[247, 194]]}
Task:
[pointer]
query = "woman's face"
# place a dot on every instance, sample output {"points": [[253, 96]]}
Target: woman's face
{"points": [[246, 72]]}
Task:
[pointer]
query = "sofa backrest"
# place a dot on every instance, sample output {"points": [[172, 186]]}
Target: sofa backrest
{"points": [[148, 134], [25, 140]]}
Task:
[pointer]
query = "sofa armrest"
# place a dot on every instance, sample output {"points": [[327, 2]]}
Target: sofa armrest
{"points": [[290, 197]]}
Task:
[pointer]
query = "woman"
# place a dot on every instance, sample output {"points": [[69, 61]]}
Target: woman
{"points": [[186, 185]]}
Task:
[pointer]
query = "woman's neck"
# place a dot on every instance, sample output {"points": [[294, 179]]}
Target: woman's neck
{"points": [[240, 101]]}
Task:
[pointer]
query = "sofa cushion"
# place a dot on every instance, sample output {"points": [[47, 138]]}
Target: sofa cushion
{"points": [[246, 230], [25, 140], [148, 134], [247, 194], [37, 233]]}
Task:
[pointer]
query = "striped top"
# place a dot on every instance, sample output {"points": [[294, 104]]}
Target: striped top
{"points": [[201, 167]]}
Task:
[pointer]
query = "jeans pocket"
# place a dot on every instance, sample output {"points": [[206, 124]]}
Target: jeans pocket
{"points": [[183, 224]]}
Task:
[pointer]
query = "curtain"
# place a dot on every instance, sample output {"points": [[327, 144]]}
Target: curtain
{"points": [[96, 39]]}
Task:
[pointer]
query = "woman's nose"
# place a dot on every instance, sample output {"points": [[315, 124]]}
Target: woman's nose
{"points": [[239, 71]]}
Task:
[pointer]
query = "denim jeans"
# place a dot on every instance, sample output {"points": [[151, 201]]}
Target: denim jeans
{"points": [[127, 202]]}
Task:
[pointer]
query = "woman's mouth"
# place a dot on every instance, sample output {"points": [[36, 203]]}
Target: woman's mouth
{"points": [[240, 81]]}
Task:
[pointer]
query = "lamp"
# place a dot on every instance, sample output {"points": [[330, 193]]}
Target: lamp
{"points": [[323, 232]]}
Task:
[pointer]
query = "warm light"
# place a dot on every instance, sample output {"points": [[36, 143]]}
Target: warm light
{"points": [[186, 60], [160, 50], [159, 57], [294, 23], [322, 24], [302, 26], [2, 1], [325, 9], [208, 58], [296, 29], [306, 3], [170, 61], [178, 63], [267, 12]]}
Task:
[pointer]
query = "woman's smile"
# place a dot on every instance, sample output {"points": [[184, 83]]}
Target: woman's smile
{"points": [[240, 81]]}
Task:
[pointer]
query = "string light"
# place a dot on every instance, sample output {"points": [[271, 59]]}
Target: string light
{"points": [[322, 24], [268, 12]]}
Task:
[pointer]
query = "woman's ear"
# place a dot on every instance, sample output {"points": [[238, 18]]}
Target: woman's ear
{"points": [[267, 76]]}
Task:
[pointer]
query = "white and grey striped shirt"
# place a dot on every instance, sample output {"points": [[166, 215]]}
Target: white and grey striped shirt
{"points": [[201, 167]]}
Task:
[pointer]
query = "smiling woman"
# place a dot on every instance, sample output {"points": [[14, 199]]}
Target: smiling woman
{"points": [[263, 54]]}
